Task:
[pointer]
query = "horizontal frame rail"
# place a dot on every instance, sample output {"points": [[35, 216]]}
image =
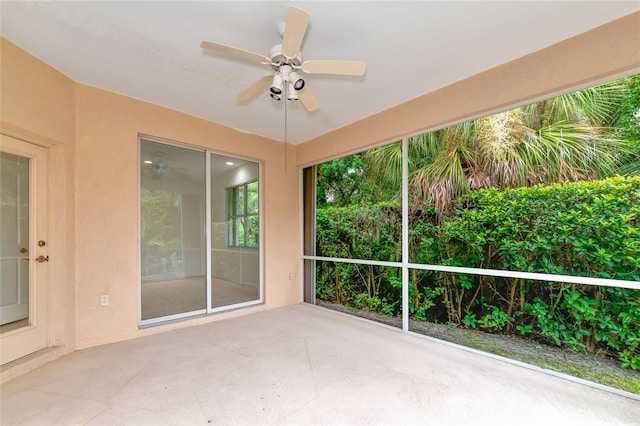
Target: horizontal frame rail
{"points": [[634, 285]]}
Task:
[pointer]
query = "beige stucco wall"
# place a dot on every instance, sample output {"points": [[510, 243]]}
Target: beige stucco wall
{"points": [[601, 54]]}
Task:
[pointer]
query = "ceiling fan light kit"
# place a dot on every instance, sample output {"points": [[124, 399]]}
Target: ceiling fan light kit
{"points": [[291, 93], [276, 86], [298, 82], [286, 60]]}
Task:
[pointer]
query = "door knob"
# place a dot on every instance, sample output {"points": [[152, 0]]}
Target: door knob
{"points": [[41, 259], [24, 250]]}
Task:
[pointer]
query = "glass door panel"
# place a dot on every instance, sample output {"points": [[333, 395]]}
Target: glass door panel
{"points": [[235, 238], [14, 241], [172, 231]]}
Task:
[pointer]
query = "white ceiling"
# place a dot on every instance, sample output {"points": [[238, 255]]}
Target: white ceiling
{"points": [[150, 50]]}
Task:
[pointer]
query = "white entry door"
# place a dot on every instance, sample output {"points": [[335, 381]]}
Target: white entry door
{"points": [[23, 248]]}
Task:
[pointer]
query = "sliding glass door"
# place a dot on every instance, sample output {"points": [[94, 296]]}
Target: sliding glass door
{"points": [[199, 232]]}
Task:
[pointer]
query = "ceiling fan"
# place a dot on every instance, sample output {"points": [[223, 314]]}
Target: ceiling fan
{"points": [[157, 167], [286, 60]]}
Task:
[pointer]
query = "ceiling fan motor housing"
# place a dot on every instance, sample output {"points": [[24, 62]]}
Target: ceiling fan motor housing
{"points": [[278, 59]]}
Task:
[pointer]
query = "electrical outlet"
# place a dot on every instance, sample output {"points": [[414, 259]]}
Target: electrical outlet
{"points": [[104, 300], [290, 276]]}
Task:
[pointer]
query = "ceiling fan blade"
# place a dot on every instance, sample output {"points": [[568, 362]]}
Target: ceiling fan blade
{"points": [[255, 88], [335, 67], [308, 99], [294, 29], [244, 54]]}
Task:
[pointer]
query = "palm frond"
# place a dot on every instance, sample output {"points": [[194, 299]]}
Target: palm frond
{"points": [[423, 149], [571, 152], [385, 162], [631, 168], [444, 179], [594, 106]]}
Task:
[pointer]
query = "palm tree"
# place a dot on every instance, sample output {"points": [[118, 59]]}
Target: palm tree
{"points": [[562, 139]]}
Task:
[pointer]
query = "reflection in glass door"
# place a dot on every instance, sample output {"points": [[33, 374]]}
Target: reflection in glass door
{"points": [[189, 197], [14, 241], [235, 239], [172, 240]]}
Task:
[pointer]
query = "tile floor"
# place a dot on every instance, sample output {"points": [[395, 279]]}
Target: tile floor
{"points": [[298, 365]]}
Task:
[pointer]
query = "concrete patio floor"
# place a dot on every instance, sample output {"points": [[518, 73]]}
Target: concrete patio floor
{"points": [[298, 365]]}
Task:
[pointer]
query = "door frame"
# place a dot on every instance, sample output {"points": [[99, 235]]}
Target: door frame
{"points": [[23, 341]]}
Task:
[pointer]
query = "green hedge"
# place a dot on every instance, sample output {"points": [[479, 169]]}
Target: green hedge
{"points": [[582, 229]]}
